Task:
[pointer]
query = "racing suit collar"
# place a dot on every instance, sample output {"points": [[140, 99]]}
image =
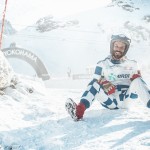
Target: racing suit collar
{"points": [[114, 61]]}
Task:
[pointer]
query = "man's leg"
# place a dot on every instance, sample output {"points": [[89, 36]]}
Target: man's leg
{"points": [[110, 101], [76, 111], [139, 89]]}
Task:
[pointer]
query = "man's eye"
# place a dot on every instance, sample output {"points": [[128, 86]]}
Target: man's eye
{"points": [[121, 48], [116, 46]]}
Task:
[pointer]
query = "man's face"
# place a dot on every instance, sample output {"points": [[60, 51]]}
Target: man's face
{"points": [[118, 49]]}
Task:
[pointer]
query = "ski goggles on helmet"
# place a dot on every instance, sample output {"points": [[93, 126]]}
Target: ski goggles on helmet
{"points": [[121, 37]]}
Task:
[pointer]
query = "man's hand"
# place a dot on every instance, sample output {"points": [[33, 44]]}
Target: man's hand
{"points": [[136, 75], [108, 87]]}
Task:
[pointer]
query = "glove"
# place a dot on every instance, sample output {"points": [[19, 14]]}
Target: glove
{"points": [[135, 76], [80, 108], [108, 87]]}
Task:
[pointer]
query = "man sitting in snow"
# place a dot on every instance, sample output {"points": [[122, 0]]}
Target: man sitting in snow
{"points": [[116, 81]]}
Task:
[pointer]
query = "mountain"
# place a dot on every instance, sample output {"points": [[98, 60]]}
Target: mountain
{"points": [[81, 40], [48, 23], [8, 29]]}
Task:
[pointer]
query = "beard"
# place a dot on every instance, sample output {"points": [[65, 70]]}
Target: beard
{"points": [[117, 54]]}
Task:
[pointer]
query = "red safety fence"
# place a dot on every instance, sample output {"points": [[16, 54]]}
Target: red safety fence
{"points": [[3, 21]]}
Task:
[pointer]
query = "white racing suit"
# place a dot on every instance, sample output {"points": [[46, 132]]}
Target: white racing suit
{"points": [[119, 73]]}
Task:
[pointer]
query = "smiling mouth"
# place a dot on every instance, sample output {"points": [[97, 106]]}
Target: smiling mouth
{"points": [[118, 53]]}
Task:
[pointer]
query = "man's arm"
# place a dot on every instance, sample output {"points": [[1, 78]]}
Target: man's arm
{"points": [[136, 73]]}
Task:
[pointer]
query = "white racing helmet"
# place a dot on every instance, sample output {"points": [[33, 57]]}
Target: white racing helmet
{"points": [[121, 38]]}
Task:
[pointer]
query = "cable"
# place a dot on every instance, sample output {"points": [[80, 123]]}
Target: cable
{"points": [[61, 28], [87, 41]]}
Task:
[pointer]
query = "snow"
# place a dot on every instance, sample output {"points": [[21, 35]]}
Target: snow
{"points": [[39, 121]]}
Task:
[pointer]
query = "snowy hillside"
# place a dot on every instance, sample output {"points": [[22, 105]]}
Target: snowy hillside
{"points": [[81, 40]]}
